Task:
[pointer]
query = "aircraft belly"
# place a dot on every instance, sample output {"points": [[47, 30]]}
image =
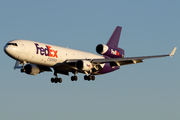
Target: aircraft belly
{"points": [[64, 67]]}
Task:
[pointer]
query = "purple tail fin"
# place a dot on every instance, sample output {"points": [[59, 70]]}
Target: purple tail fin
{"points": [[111, 49], [114, 39]]}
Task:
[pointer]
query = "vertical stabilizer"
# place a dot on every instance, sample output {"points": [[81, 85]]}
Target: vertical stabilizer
{"points": [[114, 39]]}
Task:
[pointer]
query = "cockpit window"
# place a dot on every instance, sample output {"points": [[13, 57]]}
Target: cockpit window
{"points": [[14, 44]]}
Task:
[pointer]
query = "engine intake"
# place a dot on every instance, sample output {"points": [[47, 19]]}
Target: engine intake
{"points": [[101, 49], [113, 52], [31, 69], [84, 65]]}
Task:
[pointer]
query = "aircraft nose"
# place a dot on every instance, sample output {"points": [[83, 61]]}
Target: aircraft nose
{"points": [[6, 49], [10, 50]]}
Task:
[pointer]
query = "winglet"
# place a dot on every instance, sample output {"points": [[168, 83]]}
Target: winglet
{"points": [[173, 52]]}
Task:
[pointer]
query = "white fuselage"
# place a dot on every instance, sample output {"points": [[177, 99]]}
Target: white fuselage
{"points": [[44, 54]]}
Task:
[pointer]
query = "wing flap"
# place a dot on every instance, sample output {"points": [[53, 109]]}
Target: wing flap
{"points": [[126, 62]]}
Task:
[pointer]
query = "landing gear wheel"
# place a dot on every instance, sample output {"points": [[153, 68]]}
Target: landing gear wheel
{"points": [[93, 77], [74, 78], [52, 80], [60, 80], [85, 77], [89, 77], [56, 80], [22, 70]]}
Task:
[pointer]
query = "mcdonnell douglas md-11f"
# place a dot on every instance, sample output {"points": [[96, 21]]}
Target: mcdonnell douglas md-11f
{"points": [[36, 57]]}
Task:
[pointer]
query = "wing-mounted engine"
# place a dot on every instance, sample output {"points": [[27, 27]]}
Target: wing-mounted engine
{"points": [[87, 67], [84, 65], [113, 52], [31, 69]]}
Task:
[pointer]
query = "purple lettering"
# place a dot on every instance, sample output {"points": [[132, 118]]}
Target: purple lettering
{"points": [[41, 50], [45, 51], [37, 48]]}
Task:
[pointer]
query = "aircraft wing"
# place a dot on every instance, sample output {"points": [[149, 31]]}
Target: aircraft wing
{"points": [[114, 61], [124, 61], [128, 60]]}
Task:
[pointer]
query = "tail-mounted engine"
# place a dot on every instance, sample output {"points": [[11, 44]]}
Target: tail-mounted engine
{"points": [[113, 52], [84, 65], [31, 69]]}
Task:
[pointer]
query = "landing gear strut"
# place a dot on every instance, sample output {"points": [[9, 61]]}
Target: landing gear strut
{"points": [[89, 77], [56, 79]]}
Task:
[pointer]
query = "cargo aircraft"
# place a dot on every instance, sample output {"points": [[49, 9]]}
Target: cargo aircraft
{"points": [[35, 57]]}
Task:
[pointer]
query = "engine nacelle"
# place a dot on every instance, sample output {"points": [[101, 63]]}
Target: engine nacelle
{"points": [[84, 65], [113, 52], [31, 69], [101, 49]]}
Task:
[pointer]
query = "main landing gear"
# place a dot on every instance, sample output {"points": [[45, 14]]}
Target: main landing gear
{"points": [[89, 77], [56, 79], [59, 80], [74, 78]]}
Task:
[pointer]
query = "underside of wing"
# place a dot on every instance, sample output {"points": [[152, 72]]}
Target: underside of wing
{"points": [[78, 65]]}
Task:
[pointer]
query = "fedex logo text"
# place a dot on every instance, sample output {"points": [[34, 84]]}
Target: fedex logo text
{"points": [[46, 51], [88, 65], [114, 52]]}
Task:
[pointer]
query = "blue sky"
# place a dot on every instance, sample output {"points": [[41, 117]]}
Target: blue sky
{"points": [[148, 90]]}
